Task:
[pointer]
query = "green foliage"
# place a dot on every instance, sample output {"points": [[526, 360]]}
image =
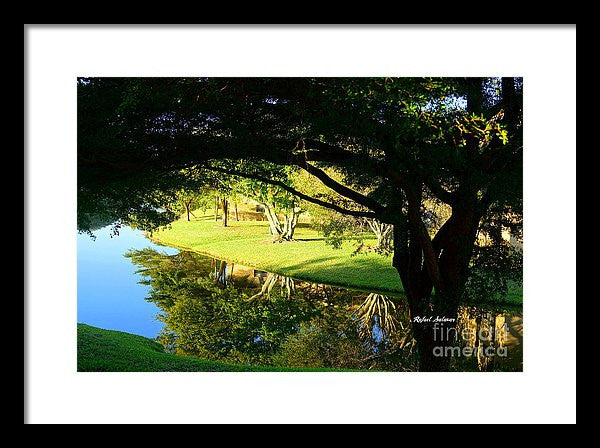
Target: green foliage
{"points": [[245, 332], [299, 328], [317, 344], [495, 271], [101, 350], [496, 268], [428, 127], [307, 326], [336, 229]]}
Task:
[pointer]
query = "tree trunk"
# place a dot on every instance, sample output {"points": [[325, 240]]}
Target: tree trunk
{"points": [[225, 212], [220, 277], [434, 312], [237, 218], [292, 223], [282, 231], [216, 208], [230, 274], [383, 232], [287, 286], [274, 224]]}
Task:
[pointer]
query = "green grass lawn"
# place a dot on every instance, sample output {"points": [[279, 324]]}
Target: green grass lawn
{"points": [[308, 258], [101, 350]]}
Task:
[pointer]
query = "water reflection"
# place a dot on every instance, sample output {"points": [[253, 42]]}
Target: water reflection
{"points": [[287, 286], [491, 335], [229, 312]]}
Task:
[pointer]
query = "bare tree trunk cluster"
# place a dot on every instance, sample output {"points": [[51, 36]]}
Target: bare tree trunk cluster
{"points": [[383, 232], [282, 231], [287, 286]]}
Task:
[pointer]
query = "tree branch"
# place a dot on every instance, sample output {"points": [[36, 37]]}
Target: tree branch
{"points": [[339, 188], [420, 232], [293, 191], [441, 193]]}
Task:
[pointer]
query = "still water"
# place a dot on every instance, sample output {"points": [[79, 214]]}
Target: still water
{"points": [[197, 305], [108, 293]]}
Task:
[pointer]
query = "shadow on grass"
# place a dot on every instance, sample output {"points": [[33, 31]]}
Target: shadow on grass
{"points": [[313, 261]]}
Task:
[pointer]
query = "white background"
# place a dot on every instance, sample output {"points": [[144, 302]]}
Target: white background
{"points": [[543, 393]]}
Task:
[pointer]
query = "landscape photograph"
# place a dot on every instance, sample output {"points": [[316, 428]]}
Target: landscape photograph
{"points": [[300, 224]]}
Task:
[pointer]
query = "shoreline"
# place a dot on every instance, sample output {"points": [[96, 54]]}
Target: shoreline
{"points": [[508, 305]]}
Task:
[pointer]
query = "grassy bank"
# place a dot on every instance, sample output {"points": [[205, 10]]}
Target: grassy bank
{"points": [[101, 350], [308, 258]]}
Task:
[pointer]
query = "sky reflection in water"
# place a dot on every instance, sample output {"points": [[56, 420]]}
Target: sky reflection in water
{"points": [[108, 293]]}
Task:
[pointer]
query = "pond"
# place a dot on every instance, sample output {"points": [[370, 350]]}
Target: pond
{"points": [[108, 293], [201, 306]]}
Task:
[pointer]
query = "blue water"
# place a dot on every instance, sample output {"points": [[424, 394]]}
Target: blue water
{"points": [[108, 293]]}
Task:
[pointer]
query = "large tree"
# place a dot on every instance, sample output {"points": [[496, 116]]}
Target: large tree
{"points": [[404, 140]]}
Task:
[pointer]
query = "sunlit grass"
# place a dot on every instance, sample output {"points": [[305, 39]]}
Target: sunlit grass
{"points": [[101, 350], [308, 258]]}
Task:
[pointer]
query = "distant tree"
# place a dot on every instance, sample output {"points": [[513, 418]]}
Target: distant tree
{"points": [[187, 201], [281, 208]]}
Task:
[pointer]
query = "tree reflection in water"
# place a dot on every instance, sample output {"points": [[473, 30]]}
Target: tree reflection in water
{"points": [[287, 284], [224, 312]]}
